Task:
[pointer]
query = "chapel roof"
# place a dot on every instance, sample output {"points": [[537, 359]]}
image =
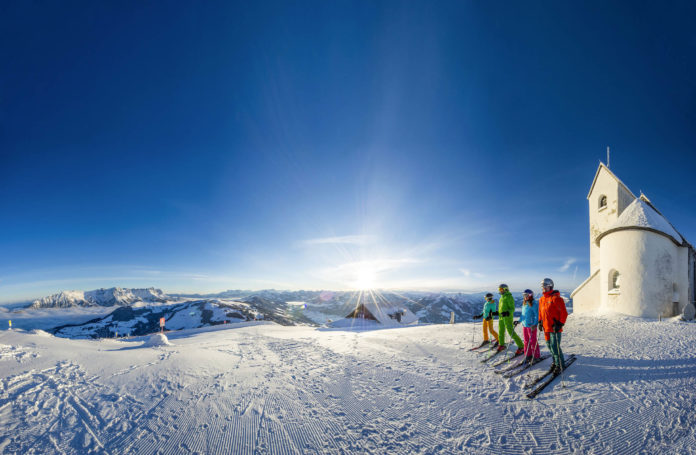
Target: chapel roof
{"points": [[611, 174], [641, 214]]}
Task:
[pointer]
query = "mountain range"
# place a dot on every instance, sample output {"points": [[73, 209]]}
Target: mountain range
{"points": [[101, 297], [139, 310]]}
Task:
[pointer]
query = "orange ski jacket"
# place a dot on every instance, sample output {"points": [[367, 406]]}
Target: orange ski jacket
{"points": [[552, 306]]}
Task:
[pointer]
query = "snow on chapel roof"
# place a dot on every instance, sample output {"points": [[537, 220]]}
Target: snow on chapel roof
{"points": [[641, 214]]}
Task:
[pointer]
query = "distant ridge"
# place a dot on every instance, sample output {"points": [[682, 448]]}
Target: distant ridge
{"points": [[101, 297], [303, 307]]}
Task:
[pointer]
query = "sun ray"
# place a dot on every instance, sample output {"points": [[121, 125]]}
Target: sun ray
{"points": [[403, 297]]}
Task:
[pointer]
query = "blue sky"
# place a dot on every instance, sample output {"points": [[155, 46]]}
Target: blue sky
{"points": [[309, 145]]}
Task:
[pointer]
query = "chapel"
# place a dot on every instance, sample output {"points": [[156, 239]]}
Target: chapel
{"points": [[640, 265]]}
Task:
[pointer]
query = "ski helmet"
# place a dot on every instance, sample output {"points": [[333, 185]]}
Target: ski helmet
{"points": [[503, 286], [528, 292], [547, 282], [489, 296]]}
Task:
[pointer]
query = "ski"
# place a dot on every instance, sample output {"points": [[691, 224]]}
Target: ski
{"points": [[487, 350], [541, 377], [524, 366], [510, 367], [507, 359], [532, 382], [491, 356], [482, 345], [516, 365], [548, 381]]}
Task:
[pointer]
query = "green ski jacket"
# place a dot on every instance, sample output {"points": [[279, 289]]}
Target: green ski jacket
{"points": [[507, 303]]}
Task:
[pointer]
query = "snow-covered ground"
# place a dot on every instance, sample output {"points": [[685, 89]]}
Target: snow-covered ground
{"points": [[258, 387]]}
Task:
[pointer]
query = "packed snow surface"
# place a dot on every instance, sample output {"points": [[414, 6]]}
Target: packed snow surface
{"points": [[257, 387], [640, 214]]}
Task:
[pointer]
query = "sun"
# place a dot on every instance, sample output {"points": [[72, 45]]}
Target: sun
{"points": [[366, 278]]}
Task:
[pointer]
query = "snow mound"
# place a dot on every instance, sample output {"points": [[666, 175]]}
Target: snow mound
{"points": [[158, 339], [641, 214], [40, 333]]}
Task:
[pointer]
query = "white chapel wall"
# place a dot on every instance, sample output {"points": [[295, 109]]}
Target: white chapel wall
{"points": [[649, 264], [624, 199], [682, 278], [586, 298], [602, 218]]}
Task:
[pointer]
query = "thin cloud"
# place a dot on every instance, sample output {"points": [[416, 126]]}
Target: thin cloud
{"points": [[377, 265], [468, 273], [339, 240], [567, 264], [350, 273]]}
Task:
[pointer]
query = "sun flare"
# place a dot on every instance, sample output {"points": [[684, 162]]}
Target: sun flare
{"points": [[366, 278]]}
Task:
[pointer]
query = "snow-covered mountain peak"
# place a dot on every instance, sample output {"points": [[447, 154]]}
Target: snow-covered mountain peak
{"points": [[101, 297]]}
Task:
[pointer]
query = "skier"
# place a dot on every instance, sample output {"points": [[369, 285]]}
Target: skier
{"points": [[487, 315], [506, 309], [552, 317], [530, 319]]}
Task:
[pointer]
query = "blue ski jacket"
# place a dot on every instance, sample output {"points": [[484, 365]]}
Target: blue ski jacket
{"points": [[488, 308], [530, 314]]}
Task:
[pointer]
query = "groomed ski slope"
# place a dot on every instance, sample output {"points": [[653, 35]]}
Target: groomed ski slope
{"points": [[263, 388]]}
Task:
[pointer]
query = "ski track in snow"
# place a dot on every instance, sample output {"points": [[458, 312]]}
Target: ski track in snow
{"points": [[287, 390]]}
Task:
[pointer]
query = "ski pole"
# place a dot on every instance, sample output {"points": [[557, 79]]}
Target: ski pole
{"points": [[558, 353], [536, 342], [473, 330]]}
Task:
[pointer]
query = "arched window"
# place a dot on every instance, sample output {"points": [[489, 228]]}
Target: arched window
{"points": [[614, 282], [602, 202]]}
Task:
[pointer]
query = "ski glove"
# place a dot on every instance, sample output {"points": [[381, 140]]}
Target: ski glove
{"points": [[489, 318], [505, 314], [478, 316], [557, 325], [514, 324], [541, 327], [495, 313]]}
